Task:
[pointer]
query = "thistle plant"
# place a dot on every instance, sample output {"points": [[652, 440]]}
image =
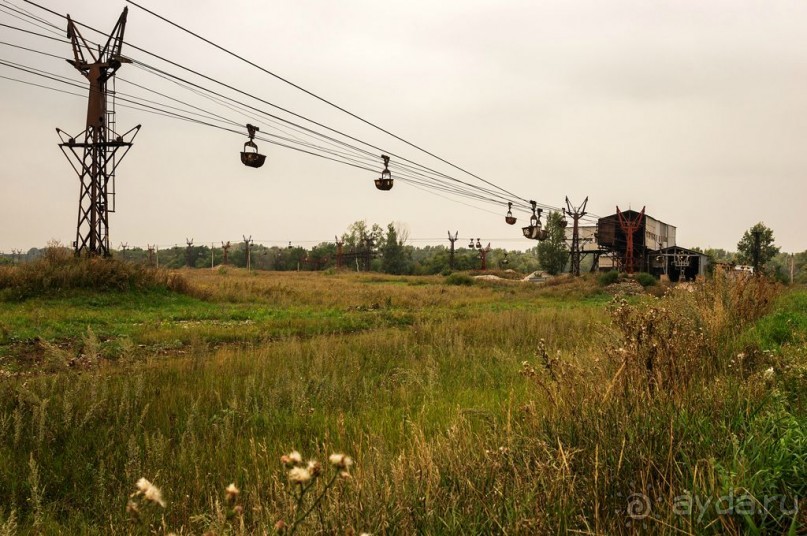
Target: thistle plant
{"points": [[144, 500], [304, 478], [234, 509]]}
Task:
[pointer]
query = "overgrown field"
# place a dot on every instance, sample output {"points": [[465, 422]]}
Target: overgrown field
{"points": [[499, 407]]}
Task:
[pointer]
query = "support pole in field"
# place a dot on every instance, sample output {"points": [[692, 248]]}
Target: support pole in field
{"points": [[575, 213], [483, 254], [97, 151], [226, 249], [248, 250], [629, 227], [189, 253], [124, 246], [367, 244], [340, 244], [452, 239], [150, 250]]}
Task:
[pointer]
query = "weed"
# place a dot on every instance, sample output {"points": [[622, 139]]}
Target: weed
{"points": [[645, 279], [608, 278], [459, 279], [484, 409], [58, 271]]}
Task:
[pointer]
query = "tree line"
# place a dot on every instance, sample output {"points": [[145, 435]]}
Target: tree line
{"points": [[390, 252]]}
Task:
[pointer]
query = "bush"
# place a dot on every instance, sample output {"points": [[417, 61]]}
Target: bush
{"points": [[608, 278], [459, 279], [59, 270], [645, 279]]}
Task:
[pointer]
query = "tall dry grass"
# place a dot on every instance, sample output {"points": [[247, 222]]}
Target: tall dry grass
{"points": [[471, 418], [59, 270]]}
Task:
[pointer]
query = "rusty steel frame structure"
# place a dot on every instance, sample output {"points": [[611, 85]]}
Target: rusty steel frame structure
{"points": [[575, 213], [629, 227], [340, 244], [95, 151], [483, 254]]}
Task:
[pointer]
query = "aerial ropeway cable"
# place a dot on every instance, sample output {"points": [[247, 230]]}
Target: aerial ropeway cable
{"points": [[411, 172]]}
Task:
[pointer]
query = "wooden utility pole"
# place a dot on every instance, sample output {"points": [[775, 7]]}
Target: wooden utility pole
{"points": [[150, 250], [124, 246], [226, 249]]}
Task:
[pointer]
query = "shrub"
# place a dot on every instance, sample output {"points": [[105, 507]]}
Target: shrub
{"points": [[608, 278], [58, 271], [459, 279], [645, 279], [665, 344]]}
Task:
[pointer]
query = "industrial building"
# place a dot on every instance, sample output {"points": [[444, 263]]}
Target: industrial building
{"points": [[652, 247]]}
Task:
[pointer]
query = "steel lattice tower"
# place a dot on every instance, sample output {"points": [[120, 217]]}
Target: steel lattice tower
{"points": [[95, 150], [629, 227], [575, 214]]}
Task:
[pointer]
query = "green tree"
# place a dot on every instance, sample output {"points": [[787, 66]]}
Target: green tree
{"points": [[394, 259], [552, 252], [756, 246], [359, 230]]}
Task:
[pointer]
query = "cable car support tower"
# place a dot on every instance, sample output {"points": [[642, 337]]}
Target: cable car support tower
{"points": [[97, 151]]}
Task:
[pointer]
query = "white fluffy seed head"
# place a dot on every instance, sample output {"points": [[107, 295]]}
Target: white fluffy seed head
{"points": [[154, 495], [299, 475], [143, 485], [340, 460]]}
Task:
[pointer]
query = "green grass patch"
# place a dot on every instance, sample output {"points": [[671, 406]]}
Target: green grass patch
{"points": [[491, 408]]}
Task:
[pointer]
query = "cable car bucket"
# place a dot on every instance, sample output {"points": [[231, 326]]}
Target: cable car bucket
{"points": [[252, 158], [534, 230], [509, 218], [385, 181]]}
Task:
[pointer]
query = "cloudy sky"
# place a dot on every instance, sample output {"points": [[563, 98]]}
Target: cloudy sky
{"points": [[694, 109]]}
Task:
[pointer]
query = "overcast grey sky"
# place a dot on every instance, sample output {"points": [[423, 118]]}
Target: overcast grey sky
{"points": [[694, 109]]}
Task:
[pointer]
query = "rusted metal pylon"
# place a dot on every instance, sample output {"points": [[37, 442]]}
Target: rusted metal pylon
{"points": [[483, 254], [190, 258], [248, 250], [340, 245], [452, 239], [95, 151], [629, 227], [575, 213]]}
